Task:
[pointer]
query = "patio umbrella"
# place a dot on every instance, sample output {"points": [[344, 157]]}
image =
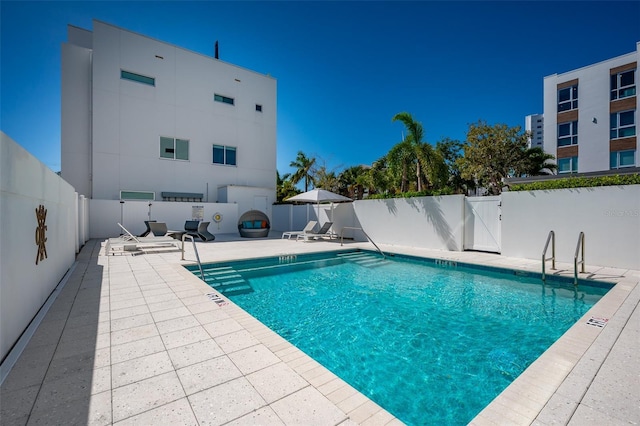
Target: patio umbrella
{"points": [[318, 196]]}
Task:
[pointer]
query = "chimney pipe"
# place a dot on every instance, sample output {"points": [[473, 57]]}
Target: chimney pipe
{"points": [[216, 51]]}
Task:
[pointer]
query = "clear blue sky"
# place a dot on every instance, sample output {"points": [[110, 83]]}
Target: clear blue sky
{"points": [[344, 69]]}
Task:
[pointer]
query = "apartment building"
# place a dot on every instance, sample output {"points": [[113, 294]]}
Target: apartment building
{"points": [[591, 115], [534, 125], [147, 120]]}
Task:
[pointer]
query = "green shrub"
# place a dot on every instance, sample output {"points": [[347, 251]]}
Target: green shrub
{"points": [[410, 194], [578, 182]]}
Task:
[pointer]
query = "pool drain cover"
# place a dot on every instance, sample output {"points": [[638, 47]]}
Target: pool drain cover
{"points": [[597, 322]]}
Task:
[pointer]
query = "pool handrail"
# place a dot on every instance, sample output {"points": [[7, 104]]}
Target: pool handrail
{"points": [[365, 234], [551, 237], [576, 262], [195, 249]]}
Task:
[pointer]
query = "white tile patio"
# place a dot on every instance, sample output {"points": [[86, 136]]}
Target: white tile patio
{"points": [[133, 340]]}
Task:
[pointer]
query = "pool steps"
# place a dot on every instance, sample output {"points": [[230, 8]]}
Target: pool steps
{"points": [[364, 259], [230, 281], [227, 281]]}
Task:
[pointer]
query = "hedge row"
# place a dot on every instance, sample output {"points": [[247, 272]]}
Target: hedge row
{"points": [[578, 182]]}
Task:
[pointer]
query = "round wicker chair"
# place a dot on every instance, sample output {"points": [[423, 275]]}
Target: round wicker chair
{"points": [[254, 224]]}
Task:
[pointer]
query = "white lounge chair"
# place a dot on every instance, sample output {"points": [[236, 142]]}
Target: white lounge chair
{"points": [[128, 242], [306, 230], [322, 232]]}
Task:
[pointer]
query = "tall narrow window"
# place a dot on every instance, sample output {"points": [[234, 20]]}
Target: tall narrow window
{"points": [[623, 124], [224, 155], [138, 78], [173, 148], [223, 99], [568, 98], [568, 165], [568, 133], [623, 84]]}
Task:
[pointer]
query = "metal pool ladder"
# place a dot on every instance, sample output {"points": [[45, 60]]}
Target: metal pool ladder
{"points": [[576, 262], [195, 249], [552, 238], [365, 234]]}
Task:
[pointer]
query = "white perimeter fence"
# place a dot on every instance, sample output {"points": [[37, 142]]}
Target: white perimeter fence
{"points": [[515, 224]]}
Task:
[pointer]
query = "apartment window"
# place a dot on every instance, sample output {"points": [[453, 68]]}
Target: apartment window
{"points": [[138, 78], [137, 195], [224, 155], [568, 98], [173, 148], [568, 165], [621, 159], [623, 124], [568, 133], [223, 99], [258, 108], [623, 84]]}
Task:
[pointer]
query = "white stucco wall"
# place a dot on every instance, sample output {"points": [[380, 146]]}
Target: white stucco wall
{"points": [[25, 184], [128, 118], [76, 117], [426, 222], [609, 217], [248, 198]]}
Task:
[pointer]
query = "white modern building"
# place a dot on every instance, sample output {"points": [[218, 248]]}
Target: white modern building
{"points": [[591, 115], [146, 120], [534, 124]]}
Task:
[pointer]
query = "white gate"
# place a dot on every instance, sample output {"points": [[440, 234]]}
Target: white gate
{"points": [[482, 228]]}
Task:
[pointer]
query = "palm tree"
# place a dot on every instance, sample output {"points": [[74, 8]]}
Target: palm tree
{"points": [[304, 170], [400, 157], [351, 182], [285, 188], [416, 132], [536, 162]]}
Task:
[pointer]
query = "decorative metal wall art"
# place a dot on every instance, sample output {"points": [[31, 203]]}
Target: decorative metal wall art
{"points": [[41, 229]]}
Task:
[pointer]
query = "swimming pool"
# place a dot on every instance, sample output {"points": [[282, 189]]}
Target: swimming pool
{"points": [[430, 341]]}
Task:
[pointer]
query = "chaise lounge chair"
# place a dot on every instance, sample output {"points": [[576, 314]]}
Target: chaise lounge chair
{"points": [[323, 232], [198, 229], [306, 230], [130, 243], [159, 229]]}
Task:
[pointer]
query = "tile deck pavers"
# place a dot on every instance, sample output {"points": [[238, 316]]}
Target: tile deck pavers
{"points": [[135, 340]]}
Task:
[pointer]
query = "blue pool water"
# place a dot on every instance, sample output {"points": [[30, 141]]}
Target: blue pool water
{"points": [[432, 342]]}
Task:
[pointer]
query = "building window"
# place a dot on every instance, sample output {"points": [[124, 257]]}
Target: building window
{"points": [[224, 155], [568, 133], [568, 165], [223, 99], [138, 78], [623, 124], [568, 98], [621, 159], [137, 195], [175, 149], [623, 84], [258, 108]]}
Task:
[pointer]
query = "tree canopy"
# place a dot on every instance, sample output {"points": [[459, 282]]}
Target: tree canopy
{"points": [[492, 153], [412, 166]]}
